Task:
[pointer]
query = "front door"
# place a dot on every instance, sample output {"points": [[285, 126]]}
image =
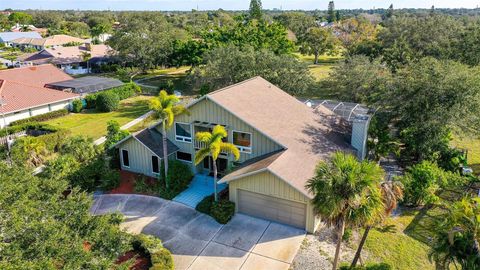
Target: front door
{"points": [[222, 164]]}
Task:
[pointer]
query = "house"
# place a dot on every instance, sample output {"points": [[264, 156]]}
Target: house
{"points": [[7, 37], [73, 60], [21, 27], [51, 41], [23, 94], [281, 141]]}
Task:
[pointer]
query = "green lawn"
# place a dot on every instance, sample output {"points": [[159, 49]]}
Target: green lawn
{"points": [[473, 147], [322, 70], [94, 124]]}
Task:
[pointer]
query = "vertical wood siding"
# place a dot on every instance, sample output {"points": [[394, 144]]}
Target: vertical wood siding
{"points": [[269, 184], [208, 111], [139, 156]]}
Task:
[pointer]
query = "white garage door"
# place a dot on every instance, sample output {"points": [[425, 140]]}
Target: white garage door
{"points": [[271, 208]]}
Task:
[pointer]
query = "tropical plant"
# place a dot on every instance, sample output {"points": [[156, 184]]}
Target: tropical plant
{"points": [[422, 181], [29, 151], [165, 108], [214, 145], [346, 193], [391, 193], [458, 236]]}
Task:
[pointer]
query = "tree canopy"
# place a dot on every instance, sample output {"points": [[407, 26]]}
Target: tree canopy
{"points": [[228, 65]]}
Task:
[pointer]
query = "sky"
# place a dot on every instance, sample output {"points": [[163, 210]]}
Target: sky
{"points": [[228, 4]]}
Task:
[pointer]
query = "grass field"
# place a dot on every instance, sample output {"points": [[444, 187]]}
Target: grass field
{"points": [[322, 70], [94, 124]]}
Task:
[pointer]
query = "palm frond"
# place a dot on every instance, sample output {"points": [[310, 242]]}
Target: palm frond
{"points": [[230, 149], [201, 154], [219, 130], [180, 109], [203, 137], [169, 117]]}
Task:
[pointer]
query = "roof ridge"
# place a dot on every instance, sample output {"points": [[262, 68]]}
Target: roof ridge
{"points": [[233, 85]]}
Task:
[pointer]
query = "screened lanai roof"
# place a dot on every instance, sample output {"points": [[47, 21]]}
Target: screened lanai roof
{"points": [[346, 110], [85, 85]]}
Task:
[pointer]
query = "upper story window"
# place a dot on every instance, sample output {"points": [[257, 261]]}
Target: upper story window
{"points": [[243, 140], [183, 132]]}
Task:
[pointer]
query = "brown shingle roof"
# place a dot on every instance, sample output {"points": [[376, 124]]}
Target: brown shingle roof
{"points": [[152, 139], [308, 135]]}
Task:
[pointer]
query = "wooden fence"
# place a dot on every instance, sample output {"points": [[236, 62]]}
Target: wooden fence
{"points": [[4, 139]]}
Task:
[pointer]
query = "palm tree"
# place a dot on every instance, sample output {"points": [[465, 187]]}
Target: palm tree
{"points": [[213, 146], [345, 193], [392, 193], [165, 108], [458, 236]]}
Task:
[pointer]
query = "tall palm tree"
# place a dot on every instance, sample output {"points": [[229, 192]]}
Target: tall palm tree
{"points": [[392, 193], [345, 193], [213, 146], [165, 108]]}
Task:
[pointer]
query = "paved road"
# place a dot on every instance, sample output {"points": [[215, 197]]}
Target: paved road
{"points": [[126, 126], [198, 242]]}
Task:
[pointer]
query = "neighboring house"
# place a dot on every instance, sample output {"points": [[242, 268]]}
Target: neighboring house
{"points": [[23, 93], [7, 37], [85, 85], [20, 28], [281, 141], [48, 42], [73, 60]]}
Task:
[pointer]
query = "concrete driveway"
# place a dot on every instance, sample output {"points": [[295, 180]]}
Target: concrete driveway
{"points": [[198, 242]]}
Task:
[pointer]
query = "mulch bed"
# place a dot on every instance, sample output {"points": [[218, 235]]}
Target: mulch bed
{"points": [[127, 183], [141, 261]]}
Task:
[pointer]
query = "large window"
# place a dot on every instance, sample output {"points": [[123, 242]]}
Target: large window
{"points": [[155, 165], [125, 160], [243, 141], [184, 156], [183, 132]]}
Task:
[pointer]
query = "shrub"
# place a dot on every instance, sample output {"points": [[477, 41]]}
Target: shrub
{"points": [[91, 101], [41, 117], [222, 211], [421, 183], [128, 90], [205, 205], [32, 126], [160, 257], [377, 266], [77, 105], [107, 102], [55, 140], [114, 134], [179, 175], [143, 186]]}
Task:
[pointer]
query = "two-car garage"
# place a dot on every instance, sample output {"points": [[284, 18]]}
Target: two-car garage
{"points": [[266, 196], [271, 208]]}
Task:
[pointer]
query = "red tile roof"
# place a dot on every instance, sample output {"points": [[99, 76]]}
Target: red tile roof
{"points": [[35, 75], [23, 88]]}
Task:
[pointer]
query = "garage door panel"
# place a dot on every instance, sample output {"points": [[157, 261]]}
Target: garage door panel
{"points": [[276, 209]]}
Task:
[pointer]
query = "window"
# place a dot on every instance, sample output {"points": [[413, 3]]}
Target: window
{"points": [[125, 160], [183, 132], [243, 141], [155, 166], [184, 156]]}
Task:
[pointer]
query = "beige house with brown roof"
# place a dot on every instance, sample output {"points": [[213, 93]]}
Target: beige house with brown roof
{"points": [[281, 141], [42, 43]]}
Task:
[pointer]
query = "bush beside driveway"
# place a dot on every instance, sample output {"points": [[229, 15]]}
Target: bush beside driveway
{"points": [[197, 241]]}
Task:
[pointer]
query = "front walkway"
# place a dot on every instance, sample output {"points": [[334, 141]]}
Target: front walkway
{"points": [[198, 242], [126, 126], [200, 187]]}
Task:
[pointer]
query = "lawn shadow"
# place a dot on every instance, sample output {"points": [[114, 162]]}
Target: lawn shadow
{"points": [[388, 228]]}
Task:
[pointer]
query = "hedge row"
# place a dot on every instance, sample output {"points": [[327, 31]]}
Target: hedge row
{"points": [[41, 117], [222, 211], [123, 92], [32, 126]]}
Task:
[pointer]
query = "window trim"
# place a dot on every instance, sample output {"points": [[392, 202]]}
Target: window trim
{"points": [[158, 164], [191, 157], [243, 149], [183, 139], [121, 156]]}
